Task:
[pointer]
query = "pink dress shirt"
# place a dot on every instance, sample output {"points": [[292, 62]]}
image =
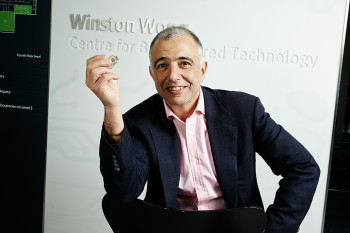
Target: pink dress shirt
{"points": [[198, 186]]}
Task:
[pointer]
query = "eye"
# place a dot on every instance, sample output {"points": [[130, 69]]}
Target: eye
{"points": [[161, 66], [185, 63]]}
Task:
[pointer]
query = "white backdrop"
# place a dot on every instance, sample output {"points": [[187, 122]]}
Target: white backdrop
{"points": [[286, 52]]}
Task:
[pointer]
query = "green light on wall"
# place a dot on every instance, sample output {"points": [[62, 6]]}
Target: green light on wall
{"points": [[23, 9], [7, 21]]}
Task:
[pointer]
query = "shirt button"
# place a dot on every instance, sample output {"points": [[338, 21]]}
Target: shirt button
{"points": [[197, 161]]}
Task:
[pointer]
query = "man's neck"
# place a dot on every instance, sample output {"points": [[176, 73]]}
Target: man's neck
{"points": [[184, 111]]}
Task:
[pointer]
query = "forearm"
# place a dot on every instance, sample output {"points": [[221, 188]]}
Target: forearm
{"points": [[125, 181], [293, 197]]}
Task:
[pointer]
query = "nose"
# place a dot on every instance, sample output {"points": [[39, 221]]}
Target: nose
{"points": [[174, 72]]}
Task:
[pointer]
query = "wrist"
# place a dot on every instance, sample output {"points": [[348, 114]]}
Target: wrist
{"points": [[113, 122]]}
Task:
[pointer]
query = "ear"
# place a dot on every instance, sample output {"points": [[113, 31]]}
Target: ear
{"points": [[150, 72], [204, 69]]}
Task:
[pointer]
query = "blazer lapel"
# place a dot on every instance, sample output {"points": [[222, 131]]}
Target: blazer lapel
{"points": [[167, 149], [223, 142]]}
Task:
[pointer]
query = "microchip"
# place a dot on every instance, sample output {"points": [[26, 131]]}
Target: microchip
{"points": [[114, 60]]}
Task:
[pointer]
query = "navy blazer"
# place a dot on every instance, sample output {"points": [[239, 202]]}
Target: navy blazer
{"points": [[238, 128]]}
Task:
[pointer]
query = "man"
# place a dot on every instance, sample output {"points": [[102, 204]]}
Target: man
{"points": [[195, 146]]}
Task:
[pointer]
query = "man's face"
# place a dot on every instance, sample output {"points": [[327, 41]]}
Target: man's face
{"points": [[177, 72]]}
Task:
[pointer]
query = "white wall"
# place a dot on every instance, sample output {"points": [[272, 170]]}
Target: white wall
{"points": [[298, 87]]}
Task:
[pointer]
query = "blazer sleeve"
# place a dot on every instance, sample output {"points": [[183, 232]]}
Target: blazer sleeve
{"points": [[124, 166], [299, 171]]}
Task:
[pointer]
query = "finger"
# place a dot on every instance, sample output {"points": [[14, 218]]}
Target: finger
{"points": [[102, 82], [97, 57], [98, 61], [106, 76], [93, 74]]}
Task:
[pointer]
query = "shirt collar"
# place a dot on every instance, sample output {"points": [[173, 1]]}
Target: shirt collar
{"points": [[199, 108]]}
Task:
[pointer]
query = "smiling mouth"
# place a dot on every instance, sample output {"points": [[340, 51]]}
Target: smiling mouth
{"points": [[175, 88]]}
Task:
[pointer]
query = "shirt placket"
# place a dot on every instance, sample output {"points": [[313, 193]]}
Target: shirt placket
{"points": [[195, 164]]}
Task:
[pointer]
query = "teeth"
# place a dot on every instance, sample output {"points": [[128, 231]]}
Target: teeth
{"points": [[175, 88]]}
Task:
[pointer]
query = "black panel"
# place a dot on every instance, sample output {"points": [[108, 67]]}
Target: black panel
{"points": [[338, 198], [24, 78]]}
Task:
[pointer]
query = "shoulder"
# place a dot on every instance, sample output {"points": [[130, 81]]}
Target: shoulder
{"points": [[229, 99], [151, 102], [227, 94], [146, 110]]}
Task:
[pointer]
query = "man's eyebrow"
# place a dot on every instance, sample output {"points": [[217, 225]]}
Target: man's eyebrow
{"points": [[158, 60], [185, 58]]}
